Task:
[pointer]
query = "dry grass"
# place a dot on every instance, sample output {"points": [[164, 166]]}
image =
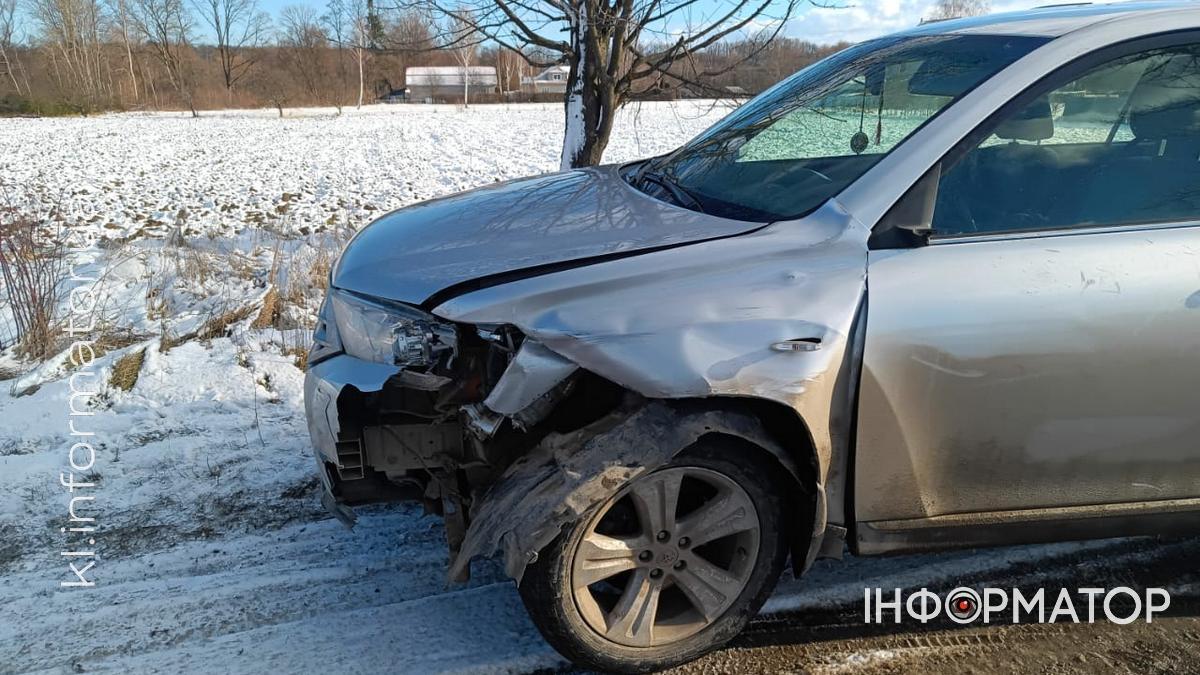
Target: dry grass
{"points": [[322, 266], [192, 262], [110, 338], [126, 370], [242, 266], [273, 302], [158, 297], [221, 325], [296, 282], [106, 338], [270, 312], [299, 356], [298, 279], [197, 266], [217, 326]]}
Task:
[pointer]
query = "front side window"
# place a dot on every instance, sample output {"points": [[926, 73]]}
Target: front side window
{"points": [[789, 150], [1119, 145]]}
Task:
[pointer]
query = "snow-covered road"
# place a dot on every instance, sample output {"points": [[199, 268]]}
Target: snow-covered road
{"points": [[284, 600], [314, 596]]}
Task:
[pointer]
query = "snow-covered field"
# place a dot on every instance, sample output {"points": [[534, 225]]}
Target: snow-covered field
{"points": [[210, 542], [206, 242]]}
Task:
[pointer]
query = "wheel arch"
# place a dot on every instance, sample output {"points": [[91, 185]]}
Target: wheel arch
{"points": [[792, 448], [569, 473]]}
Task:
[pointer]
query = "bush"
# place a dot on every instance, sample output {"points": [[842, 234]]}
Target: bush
{"points": [[33, 267], [12, 105]]}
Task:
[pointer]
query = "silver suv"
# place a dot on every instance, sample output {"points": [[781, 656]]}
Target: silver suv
{"points": [[941, 289]]}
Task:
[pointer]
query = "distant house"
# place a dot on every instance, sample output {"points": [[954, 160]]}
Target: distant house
{"points": [[552, 80], [433, 83]]}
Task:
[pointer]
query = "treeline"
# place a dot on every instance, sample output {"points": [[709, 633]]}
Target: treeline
{"points": [[83, 56]]}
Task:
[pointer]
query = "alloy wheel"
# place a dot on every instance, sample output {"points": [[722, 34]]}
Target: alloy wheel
{"points": [[665, 557]]}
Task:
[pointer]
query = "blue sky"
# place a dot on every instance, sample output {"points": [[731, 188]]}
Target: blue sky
{"points": [[856, 20]]}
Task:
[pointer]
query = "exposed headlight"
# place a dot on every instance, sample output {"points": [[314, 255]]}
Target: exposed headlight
{"points": [[389, 333]]}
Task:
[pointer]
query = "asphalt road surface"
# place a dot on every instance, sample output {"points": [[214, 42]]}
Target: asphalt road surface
{"points": [[835, 639]]}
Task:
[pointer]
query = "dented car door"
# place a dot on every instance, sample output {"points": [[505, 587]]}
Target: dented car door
{"points": [[1035, 361], [1030, 373]]}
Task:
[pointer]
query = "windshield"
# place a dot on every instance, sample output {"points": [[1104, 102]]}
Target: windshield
{"points": [[801, 142]]}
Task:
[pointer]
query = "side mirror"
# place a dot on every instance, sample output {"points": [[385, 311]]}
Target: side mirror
{"points": [[914, 211], [910, 221]]}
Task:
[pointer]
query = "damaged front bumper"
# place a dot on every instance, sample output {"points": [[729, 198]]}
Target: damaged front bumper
{"points": [[385, 433], [339, 458], [507, 459], [323, 384]]}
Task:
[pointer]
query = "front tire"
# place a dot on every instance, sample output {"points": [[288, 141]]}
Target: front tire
{"points": [[670, 568]]}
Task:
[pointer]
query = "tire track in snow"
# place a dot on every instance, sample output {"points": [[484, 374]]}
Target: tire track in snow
{"points": [[307, 594], [375, 600]]}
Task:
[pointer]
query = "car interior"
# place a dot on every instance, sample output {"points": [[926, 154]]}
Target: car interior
{"points": [[1023, 183]]}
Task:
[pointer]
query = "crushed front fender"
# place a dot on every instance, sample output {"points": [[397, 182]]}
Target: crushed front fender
{"points": [[568, 474]]}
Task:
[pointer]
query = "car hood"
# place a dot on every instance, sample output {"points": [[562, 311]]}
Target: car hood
{"points": [[424, 253]]}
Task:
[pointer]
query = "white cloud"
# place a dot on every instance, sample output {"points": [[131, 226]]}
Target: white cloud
{"points": [[866, 19]]}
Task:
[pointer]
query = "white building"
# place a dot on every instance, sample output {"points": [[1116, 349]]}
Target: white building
{"points": [[552, 80], [442, 82]]}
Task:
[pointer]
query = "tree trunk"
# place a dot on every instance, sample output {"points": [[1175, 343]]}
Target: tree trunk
{"points": [[132, 75], [360, 77], [124, 16], [591, 103], [9, 68], [466, 70]]}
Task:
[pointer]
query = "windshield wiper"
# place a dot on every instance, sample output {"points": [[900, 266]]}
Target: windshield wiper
{"points": [[680, 194]]}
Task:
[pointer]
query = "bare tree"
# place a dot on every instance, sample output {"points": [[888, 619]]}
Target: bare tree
{"points": [[955, 9], [336, 22], [240, 30], [463, 42], [120, 10], [166, 26], [616, 49], [8, 34], [352, 24], [73, 31], [411, 31], [268, 80], [303, 43], [365, 30], [96, 54], [510, 67]]}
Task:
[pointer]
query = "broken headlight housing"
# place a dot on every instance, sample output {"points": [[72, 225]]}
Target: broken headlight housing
{"points": [[326, 342], [391, 333]]}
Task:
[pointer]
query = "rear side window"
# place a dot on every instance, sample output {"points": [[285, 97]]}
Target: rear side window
{"points": [[1119, 145]]}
